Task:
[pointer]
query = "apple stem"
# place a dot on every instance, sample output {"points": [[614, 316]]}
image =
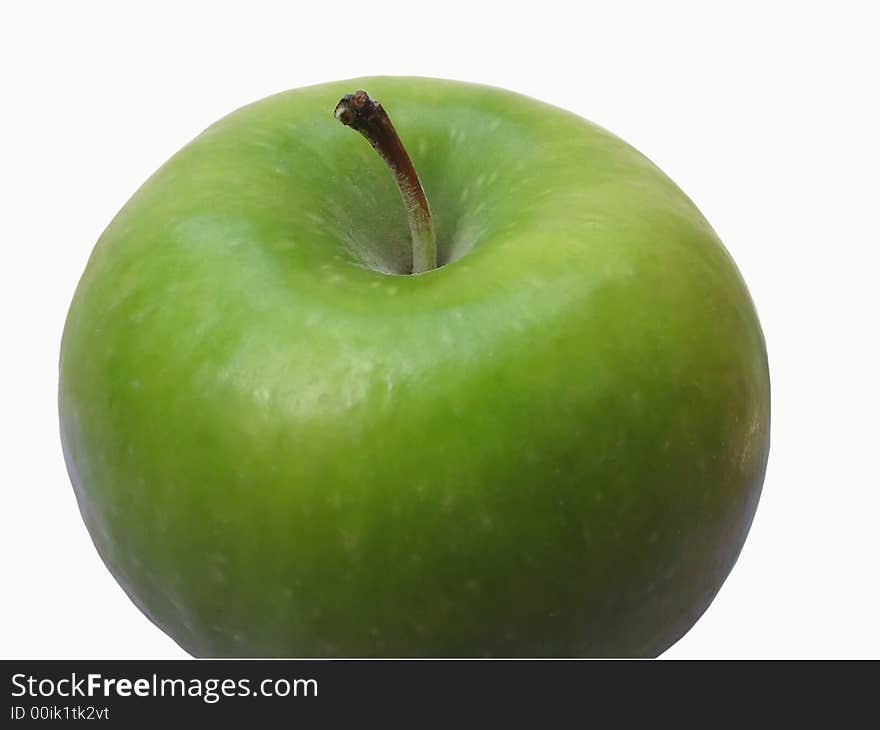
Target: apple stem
{"points": [[367, 116]]}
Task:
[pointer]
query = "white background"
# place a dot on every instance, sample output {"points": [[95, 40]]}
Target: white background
{"points": [[765, 114]]}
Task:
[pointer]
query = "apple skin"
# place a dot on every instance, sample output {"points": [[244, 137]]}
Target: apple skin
{"points": [[553, 445]]}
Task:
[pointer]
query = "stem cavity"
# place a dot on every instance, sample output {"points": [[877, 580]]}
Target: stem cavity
{"points": [[367, 116]]}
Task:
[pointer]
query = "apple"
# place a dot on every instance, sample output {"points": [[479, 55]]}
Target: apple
{"points": [[523, 411]]}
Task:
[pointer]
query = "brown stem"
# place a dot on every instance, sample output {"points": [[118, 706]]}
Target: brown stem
{"points": [[367, 116]]}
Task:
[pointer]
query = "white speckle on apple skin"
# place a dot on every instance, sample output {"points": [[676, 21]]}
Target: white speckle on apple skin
{"points": [[313, 319], [218, 576]]}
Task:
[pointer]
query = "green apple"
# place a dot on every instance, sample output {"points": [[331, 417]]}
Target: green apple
{"points": [[284, 443]]}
